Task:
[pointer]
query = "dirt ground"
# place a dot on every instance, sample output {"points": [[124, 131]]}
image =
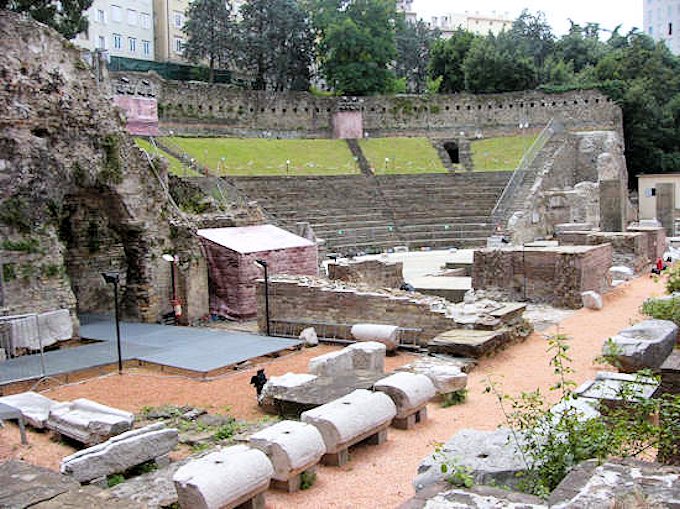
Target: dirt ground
{"points": [[376, 477]]}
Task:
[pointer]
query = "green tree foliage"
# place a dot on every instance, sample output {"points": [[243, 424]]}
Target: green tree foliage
{"points": [[414, 42], [446, 60], [65, 16], [211, 33], [581, 46], [276, 44], [530, 36], [357, 44]]}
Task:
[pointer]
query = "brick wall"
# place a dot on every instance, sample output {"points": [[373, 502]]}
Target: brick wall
{"points": [[656, 240], [629, 248], [375, 273], [233, 275], [555, 276]]}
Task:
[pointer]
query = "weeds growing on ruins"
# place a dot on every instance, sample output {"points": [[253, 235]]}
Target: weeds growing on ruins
{"points": [[552, 443]]}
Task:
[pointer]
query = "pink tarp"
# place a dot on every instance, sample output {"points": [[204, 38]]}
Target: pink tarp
{"points": [[141, 114]]}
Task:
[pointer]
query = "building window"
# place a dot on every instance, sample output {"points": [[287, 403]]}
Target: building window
{"points": [[179, 19], [117, 41], [650, 30], [100, 16], [670, 28], [101, 42], [116, 14], [131, 17], [145, 20], [132, 44], [179, 45], [146, 47]]}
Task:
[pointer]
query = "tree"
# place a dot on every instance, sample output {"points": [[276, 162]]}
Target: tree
{"points": [[357, 44], [65, 16], [446, 60], [210, 31], [581, 46], [414, 42], [277, 44], [531, 36]]}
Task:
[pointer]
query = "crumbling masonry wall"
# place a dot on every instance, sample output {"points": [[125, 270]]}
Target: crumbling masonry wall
{"points": [[556, 276], [630, 249], [373, 273]]}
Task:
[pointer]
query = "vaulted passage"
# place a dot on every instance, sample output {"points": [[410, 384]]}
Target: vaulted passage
{"points": [[453, 152]]}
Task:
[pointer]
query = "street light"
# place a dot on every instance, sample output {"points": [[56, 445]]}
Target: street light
{"points": [[264, 265], [287, 166], [175, 302], [114, 278]]}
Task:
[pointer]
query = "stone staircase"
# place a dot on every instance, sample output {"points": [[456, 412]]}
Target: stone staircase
{"points": [[369, 213]]}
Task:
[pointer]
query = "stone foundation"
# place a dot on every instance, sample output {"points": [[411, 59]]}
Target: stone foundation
{"points": [[556, 276], [375, 273], [630, 249]]}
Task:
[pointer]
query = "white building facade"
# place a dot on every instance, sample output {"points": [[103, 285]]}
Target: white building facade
{"points": [[661, 19], [476, 23], [122, 28]]}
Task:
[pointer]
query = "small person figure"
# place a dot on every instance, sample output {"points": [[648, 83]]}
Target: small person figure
{"points": [[258, 380], [659, 266]]}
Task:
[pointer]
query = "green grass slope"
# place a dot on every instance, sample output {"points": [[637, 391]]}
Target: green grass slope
{"points": [[401, 155], [174, 165], [500, 154]]}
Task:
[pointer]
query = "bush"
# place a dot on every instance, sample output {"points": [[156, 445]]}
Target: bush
{"points": [[673, 283], [663, 309]]}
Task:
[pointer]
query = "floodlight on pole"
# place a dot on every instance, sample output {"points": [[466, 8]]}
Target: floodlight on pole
{"points": [[113, 278], [264, 265]]}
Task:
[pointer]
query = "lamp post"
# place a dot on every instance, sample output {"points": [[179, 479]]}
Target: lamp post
{"points": [[264, 265], [287, 166], [114, 278]]}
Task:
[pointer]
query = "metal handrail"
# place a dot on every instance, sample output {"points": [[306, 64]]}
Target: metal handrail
{"points": [[522, 169]]}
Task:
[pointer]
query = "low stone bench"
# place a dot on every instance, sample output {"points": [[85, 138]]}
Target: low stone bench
{"points": [[644, 345], [33, 406], [293, 447], [368, 355], [446, 377], [385, 334], [332, 364], [279, 386], [411, 393], [88, 422], [359, 416], [121, 453], [235, 476]]}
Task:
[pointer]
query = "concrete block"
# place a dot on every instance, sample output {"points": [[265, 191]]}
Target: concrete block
{"points": [[368, 355], [33, 406], [446, 376], [644, 345], [88, 422], [332, 364], [279, 385], [291, 446], [226, 478], [351, 418], [120, 453], [490, 456], [621, 273], [409, 391], [592, 300], [385, 334]]}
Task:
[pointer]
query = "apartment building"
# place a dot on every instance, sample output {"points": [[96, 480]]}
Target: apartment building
{"points": [[476, 23], [123, 28], [168, 19], [661, 19]]}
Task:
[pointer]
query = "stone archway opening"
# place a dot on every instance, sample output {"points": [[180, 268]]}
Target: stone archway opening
{"points": [[453, 151]]}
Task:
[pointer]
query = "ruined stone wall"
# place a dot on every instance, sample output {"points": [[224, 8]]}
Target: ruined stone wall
{"points": [[630, 249], [556, 276], [374, 273], [656, 240], [191, 107], [306, 300]]}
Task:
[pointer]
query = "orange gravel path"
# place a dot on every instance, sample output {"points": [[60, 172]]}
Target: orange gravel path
{"points": [[376, 477]]}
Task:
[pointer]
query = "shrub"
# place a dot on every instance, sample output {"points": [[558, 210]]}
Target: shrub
{"points": [[663, 309], [673, 283]]}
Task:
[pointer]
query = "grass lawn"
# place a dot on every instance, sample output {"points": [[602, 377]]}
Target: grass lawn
{"points": [[237, 156], [175, 167], [503, 153], [401, 155]]}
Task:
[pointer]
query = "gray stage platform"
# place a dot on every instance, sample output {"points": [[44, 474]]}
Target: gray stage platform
{"points": [[195, 349]]}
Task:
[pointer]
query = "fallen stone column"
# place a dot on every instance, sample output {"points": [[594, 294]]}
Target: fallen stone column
{"points": [[120, 453], [33, 406], [280, 385], [410, 393], [446, 377], [293, 447], [368, 355], [644, 345], [385, 334], [332, 364], [226, 478], [349, 420], [88, 422]]}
